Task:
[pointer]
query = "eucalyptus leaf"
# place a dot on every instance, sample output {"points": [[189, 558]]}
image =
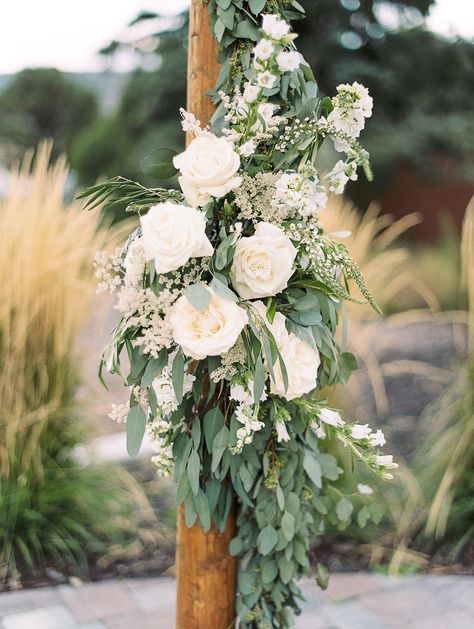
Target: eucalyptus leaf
{"points": [[136, 421], [159, 163], [198, 296]]}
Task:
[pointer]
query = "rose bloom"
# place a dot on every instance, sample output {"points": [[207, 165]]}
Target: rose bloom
{"points": [[274, 26], [208, 169], [209, 332], [288, 61], [300, 359], [263, 263], [172, 234]]}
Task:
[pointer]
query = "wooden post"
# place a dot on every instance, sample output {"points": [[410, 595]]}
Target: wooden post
{"points": [[206, 573]]}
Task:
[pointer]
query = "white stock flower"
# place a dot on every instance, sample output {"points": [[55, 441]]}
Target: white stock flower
{"points": [[274, 26], [300, 359], [248, 148], [264, 49], [386, 460], [208, 169], [364, 489], [267, 79], [360, 431], [244, 394], [282, 432], [288, 61], [172, 234], [263, 263], [251, 92], [338, 178], [209, 332], [332, 418], [377, 439]]}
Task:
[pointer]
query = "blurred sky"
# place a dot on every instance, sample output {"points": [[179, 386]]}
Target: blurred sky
{"points": [[68, 35]]}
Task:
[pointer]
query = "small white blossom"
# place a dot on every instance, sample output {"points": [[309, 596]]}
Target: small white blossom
{"points": [[274, 26], [264, 49], [332, 418], [386, 460], [360, 431], [288, 61], [364, 489], [282, 432], [119, 412], [248, 148], [377, 439], [251, 92], [267, 79]]}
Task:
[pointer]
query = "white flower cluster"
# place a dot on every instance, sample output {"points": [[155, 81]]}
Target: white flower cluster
{"points": [[119, 412], [246, 413], [299, 194], [351, 106], [108, 270], [360, 434], [164, 390], [271, 59], [230, 362], [158, 430]]}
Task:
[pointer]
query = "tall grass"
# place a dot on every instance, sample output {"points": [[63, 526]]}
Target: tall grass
{"points": [[374, 245], [48, 508], [431, 509]]}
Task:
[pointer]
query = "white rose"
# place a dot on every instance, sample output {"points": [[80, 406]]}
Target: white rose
{"points": [[301, 362], [332, 418], [274, 26], [209, 332], [277, 327], [264, 49], [263, 263], [208, 169], [172, 234], [300, 359], [288, 61]]}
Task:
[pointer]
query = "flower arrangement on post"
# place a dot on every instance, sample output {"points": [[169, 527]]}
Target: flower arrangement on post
{"points": [[230, 294]]}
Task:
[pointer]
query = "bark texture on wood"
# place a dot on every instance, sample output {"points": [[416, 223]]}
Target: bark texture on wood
{"points": [[206, 573], [202, 62], [206, 576]]}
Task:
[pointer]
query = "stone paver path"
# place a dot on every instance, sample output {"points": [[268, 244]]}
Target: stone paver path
{"points": [[353, 601]]}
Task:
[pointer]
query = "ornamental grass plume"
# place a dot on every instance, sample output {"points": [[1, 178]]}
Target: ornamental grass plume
{"points": [[48, 508], [372, 243]]}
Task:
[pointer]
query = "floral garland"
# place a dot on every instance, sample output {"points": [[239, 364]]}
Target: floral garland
{"points": [[230, 295]]}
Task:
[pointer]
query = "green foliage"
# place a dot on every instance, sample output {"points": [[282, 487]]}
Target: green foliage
{"points": [[42, 103], [100, 150]]}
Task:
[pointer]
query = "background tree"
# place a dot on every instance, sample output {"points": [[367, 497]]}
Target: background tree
{"points": [[423, 86], [43, 103]]}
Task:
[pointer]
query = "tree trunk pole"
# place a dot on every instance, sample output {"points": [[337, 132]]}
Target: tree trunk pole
{"points": [[206, 573]]}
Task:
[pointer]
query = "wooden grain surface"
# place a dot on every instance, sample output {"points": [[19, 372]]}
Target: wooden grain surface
{"points": [[206, 573]]}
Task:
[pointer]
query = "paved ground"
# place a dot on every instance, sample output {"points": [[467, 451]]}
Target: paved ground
{"points": [[353, 601]]}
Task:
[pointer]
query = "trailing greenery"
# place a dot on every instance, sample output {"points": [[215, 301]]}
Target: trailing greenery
{"points": [[230, 305]]}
